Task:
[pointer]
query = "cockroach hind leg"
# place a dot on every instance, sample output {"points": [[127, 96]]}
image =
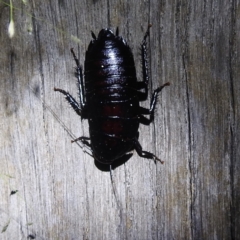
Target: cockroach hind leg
{"points": [[158, 159], [145, 154], [84, 140]]}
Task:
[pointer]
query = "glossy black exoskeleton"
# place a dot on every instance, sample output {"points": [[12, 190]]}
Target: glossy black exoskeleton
{"points": [[110, 96]]}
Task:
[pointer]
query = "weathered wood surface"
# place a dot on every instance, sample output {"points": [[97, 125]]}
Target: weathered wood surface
{"points": [[61, 194]]}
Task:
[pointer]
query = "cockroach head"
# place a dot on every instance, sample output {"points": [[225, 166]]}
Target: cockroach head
{"points": [[106, 33]]}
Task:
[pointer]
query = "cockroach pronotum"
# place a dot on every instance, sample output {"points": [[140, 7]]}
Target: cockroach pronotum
{"points": [[110, 95]]}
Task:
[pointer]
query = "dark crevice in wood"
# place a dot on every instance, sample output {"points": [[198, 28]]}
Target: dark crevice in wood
{"points": [[233, 144]]}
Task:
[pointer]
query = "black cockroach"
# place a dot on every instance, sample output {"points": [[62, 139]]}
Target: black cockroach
{"points": [[110, 96]]}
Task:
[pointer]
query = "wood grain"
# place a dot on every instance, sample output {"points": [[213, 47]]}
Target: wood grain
{"points": [[61, 193]]}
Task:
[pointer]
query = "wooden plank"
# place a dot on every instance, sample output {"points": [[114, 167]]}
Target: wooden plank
{"points": [[61, 193]]}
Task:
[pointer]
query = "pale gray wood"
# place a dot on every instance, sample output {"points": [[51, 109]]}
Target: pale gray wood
{"points": [[61, 193]]}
